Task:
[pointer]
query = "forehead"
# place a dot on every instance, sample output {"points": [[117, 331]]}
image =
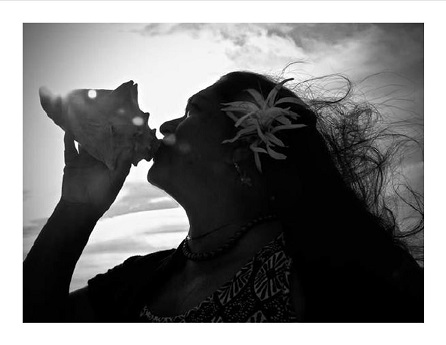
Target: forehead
{"points": [[208, 98], [207, 104]]}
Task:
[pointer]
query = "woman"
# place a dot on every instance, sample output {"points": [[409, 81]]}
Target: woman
{"points": [[278, 230]]}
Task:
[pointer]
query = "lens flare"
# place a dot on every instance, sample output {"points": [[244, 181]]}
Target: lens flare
{"points": [[92, 94], [169, 140], [138, 121], [184, 148]]}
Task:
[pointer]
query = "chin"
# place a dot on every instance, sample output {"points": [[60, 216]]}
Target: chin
{"points": [[152, 175], [162, 177], [158, 176]]}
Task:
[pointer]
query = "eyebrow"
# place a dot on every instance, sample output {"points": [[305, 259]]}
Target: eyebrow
{"points": [[192, 104], [188, 106]]}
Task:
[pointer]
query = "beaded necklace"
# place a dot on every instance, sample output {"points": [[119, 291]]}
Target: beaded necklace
{"points": [[202, 256], [190, 238]]}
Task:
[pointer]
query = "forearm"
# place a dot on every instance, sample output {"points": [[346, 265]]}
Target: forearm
{"points": [[49, 266]]}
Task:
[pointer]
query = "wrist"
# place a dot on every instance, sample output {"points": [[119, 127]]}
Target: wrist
{"points": [[78, 212]]}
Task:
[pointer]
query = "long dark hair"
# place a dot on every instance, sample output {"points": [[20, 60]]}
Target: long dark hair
{"points": [[331, 196]]}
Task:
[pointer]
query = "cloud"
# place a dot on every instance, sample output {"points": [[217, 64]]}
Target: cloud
{"points": [[399, 47], [414, 173], [307, 36], [134, 197], [30, 233], [235, 32], [29, 229], [362, 48], [311, 37], [157, 29], [140, 196], [249, 45], [115, 239]]}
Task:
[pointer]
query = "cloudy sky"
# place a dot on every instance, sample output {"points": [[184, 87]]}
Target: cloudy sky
{"points": [[170, 62]]}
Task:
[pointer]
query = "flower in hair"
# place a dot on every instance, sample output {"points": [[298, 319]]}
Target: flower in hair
{"points": [[261, 120]]}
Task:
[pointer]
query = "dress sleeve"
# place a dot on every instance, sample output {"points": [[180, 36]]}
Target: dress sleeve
{"points": [[113, 295]]}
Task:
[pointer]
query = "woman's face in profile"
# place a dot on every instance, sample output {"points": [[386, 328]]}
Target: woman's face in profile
{"points": [[192, 151]]}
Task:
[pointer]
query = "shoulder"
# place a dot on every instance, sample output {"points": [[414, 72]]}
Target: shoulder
{"points": [[135, 263], [111, 294]]}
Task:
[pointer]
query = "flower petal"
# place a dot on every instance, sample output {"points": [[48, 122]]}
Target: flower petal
{"points": [[261, 135], [291, 114], [244, 131], [274, 139], [273, 113], [257, 96], [282, 127], [243, 106], [243, 118], [257, 149], [283, 120], [258, 163], [232, 116], [272, 95], [294, 100], [274, 154]]}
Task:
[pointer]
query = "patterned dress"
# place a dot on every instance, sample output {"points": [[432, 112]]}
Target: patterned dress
{"points": [[258, 292]]}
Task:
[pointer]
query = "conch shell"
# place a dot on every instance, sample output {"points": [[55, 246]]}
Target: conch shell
{"points": [[104, 122]]}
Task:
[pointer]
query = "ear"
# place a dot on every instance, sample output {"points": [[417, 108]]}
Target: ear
{"points": [[51, 103], [240, 154]]}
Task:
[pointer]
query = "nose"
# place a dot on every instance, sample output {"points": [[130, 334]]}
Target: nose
{"points": [[169, 127]]}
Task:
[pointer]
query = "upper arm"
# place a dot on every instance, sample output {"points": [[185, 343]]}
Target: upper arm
{"points": [[79, 307], [112, 296]]}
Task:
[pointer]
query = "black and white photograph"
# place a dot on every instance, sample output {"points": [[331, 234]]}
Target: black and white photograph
{"points": [[223, 172], [180, 171]]}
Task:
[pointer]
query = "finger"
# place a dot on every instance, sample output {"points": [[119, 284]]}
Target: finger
{"points": [[80, 148], [70, 153], [85, 158]]}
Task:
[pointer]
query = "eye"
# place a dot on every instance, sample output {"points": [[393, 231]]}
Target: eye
{"points": [[188, 113]]}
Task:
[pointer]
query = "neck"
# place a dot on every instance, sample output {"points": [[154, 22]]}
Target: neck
{"points": [[217, 217]]}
